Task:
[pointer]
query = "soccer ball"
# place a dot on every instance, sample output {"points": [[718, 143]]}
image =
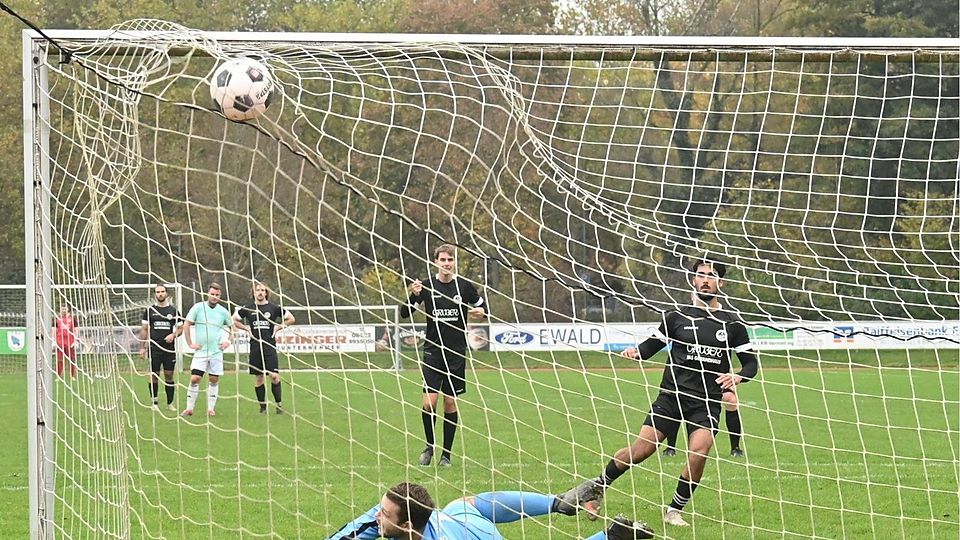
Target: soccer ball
{"points": [[241, 89]]}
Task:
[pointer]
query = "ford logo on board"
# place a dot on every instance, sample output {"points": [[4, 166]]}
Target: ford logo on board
{"points": [[513, 337]]}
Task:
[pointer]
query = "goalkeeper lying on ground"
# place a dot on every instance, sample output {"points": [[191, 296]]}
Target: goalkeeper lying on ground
{"points": [[407, 511]]}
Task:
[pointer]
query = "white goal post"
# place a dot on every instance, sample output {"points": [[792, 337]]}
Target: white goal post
{"points": [[577, 177]]}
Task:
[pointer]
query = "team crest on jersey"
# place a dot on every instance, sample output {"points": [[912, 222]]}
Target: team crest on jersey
{"points": [[721, 335], [456, 299]]}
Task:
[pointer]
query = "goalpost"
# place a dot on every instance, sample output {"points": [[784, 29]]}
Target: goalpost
{"points": [[576, 176], [107, 344]]}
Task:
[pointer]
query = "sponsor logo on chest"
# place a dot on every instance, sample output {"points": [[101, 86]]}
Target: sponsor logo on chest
{"points": [[705, 354], [446, 313]]}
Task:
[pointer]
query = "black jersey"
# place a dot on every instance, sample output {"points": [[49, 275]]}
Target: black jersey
{"points": [[262, 320], [446, 306], [701, 343], [162, 321]]}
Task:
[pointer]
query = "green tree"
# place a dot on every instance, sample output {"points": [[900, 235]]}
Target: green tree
{"points": [[331, 15], [479, 16], [874, 18]]}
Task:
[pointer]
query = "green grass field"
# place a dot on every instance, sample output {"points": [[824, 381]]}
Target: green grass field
{"points": [[849, 451]]}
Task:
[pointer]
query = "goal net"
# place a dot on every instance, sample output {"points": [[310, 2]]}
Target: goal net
{"points": [[576, 178], [127, 304]]}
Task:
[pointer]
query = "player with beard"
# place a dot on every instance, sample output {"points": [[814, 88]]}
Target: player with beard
{"points": [[162, 325], [732, 416], [214, 334], [697, 373], [447, 299], [262, 320]]}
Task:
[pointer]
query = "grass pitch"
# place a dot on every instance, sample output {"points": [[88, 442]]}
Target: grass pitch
{"points": [[864, 449]]}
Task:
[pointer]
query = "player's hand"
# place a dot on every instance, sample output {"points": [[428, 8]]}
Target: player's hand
{"points": [[194, 346], [169, 338], [729, 380], [143, 352], [416, 287], [631, 353], [224, 344], [477, 313]]}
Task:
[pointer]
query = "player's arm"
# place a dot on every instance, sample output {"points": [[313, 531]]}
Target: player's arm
{"points": [[287, 320], [230, 325], [749, 360], [238, 321], [143, 338], [478, 309], [416, 298], [749, 367], [144, 333], [187, 333], [187, 325], [650, 346], [75, 334], [644, 350], [177, 329], [363, 527], [281, 322]]}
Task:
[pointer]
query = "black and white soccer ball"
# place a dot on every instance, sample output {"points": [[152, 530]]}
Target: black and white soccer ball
{"points": [[241, 89]]}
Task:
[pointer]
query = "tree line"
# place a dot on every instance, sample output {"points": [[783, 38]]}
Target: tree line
{"points": [[867, 229]]}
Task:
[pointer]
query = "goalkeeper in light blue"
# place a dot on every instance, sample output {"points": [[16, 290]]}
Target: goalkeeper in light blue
{"points": [[407, 512]]}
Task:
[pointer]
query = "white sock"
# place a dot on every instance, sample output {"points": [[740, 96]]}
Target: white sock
{"points": [[192, 391], [212, 391]]}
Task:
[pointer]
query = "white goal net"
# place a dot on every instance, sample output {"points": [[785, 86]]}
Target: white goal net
{"points": [[576, 178]]}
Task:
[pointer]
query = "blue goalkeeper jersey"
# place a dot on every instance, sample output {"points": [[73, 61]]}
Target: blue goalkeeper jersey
{"points": [[458, 520]]}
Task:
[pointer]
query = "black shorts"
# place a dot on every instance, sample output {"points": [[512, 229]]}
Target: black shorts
{"points": [[444, 372], [159, 358], [264, 362], [668, 411]]}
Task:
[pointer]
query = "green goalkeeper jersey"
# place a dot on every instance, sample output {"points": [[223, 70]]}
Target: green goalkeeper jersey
{"points": [[212, 325]]}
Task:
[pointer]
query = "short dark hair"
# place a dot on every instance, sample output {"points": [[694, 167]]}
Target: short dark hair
{"points": [[214, 285], [449, 249], [718, 267], [415, 504]]}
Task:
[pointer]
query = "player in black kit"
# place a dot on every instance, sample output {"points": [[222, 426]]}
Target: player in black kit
{"points": [[734, 426], [447, 300], [261, 320], [161, 324], [694, 379]]}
